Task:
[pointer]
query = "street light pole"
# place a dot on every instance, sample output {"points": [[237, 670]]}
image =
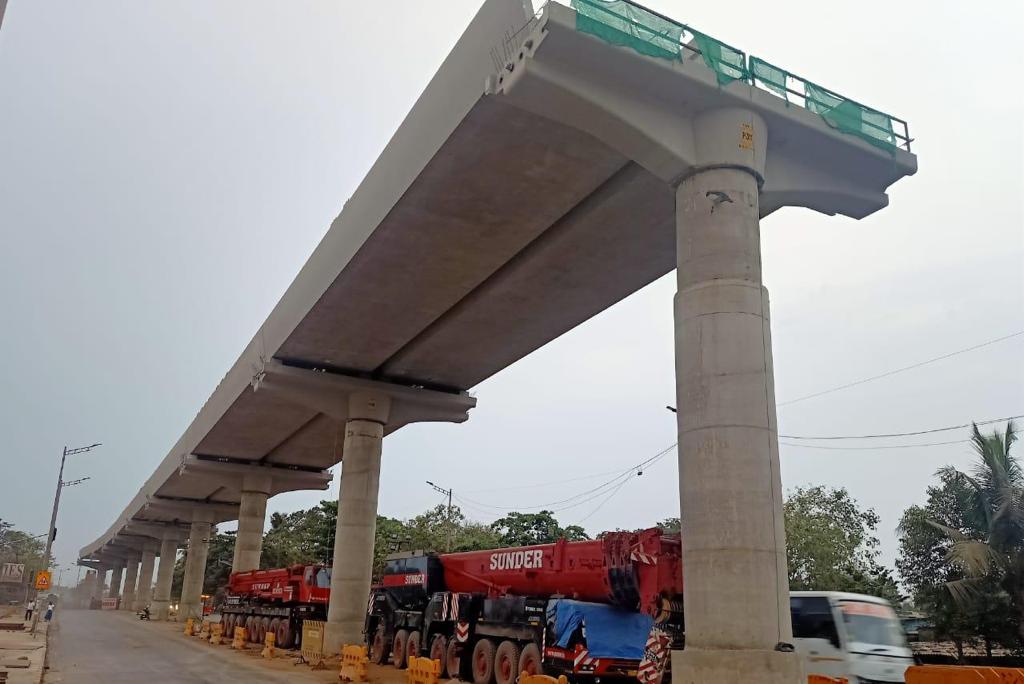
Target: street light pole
{"points": [[53, 515], [451, 523]]}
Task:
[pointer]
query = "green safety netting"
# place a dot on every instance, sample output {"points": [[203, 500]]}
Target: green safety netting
{"points": [[622, 23], [850, 117], [772, 77], [729, 64]]}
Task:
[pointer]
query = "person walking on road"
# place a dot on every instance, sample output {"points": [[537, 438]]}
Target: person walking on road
{"points": [[49, 611], [30, 607]]}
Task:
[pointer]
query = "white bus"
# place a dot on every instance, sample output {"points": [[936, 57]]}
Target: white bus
{"points": [[849, 635]]}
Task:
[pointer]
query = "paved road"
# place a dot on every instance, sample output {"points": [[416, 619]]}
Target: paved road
{"points": [[112, 647]]}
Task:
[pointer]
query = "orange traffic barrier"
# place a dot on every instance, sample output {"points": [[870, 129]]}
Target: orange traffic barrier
{"points": [[268, 645], [822, 679], [353, 664], [525, 678], [239, 641], [423, 671], [216, 633], [955, 674]]}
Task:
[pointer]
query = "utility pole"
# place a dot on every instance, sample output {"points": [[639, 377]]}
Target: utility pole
{"points": [[56, 504], [451, 523]]}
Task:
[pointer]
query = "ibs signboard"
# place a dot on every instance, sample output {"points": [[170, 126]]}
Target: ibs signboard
{"points": [[12, 572]]}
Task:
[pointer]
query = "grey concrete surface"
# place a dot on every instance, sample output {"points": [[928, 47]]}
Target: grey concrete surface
{"points": [[111, 646]]}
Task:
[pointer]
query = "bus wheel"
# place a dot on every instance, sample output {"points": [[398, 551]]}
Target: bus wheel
{"points": [[506, 662], [451, 658], [412, 648], [378, 651], [439, 651], [483, 662], [398, 648], [529, 660]]}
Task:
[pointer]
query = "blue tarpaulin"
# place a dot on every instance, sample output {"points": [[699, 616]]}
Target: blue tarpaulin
{"points": [[611, 632]]}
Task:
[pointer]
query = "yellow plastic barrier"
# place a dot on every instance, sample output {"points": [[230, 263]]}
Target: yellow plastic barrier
{"points": [[822, 679], [954, 674], [353, 664], [313, 643], [423, 671], [525, 678], [216, 633], [188, 627], [239, 641], [204, 630], [268, 646]]}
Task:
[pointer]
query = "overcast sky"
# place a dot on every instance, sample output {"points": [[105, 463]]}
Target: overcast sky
{"points": [[167, 167]]}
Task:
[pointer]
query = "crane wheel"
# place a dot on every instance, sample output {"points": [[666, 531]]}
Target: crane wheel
{"points": [[283, 635], [399, 648], [530, 661], [483, 662], [272, 629], [249, 624], [378, 650], [439, 651], [506, 663], [264, 628], [228, 621], [412, 647], [451, 659]]}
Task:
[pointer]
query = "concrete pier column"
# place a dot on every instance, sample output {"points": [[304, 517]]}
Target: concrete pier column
{"points": [[736, 597], [144, 592], [131, 578], [101, 582], [195, 565], [88, 588], [116, 575], [165, 575], [252, 515], [357, 520]]}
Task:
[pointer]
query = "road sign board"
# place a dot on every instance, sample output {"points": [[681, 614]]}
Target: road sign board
{"points": [[12, 572], [43, 580]]}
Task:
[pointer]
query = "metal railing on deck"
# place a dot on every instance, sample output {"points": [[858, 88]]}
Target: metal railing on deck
{"points": [[630, 24]]}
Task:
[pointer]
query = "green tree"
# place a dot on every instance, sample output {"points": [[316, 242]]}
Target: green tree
{"points": [[988, 546], [670, 525], [523, 529], [218, 565], [831, 544]]}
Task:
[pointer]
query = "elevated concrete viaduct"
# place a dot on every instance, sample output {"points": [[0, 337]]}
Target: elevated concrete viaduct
{"points": [[549, 170]]}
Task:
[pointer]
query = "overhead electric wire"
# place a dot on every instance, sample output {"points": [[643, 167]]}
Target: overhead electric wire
{"points": [[871, 449], [584, 496], [901, 370], [904, 434], [606, 500]]}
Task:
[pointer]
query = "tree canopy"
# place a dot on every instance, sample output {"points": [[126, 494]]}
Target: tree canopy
{"points": [[962, 553], [831, 544]]}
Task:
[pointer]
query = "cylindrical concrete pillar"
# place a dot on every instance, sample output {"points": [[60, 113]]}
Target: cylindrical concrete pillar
{"points": [[164, 576], [195, 566], [357, 521], [252, 514], [116, 575], [736, 598], [131, 578], [101, 582], [88, 589], [144, 592]]}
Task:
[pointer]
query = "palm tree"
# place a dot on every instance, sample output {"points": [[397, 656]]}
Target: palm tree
{"points": [[995, 511]]}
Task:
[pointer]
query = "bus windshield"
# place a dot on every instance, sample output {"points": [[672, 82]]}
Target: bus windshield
{"points": [[872, 623]]}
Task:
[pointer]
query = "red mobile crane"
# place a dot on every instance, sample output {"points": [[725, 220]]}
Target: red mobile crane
{"points": [[581, 608], [276, 601]]}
